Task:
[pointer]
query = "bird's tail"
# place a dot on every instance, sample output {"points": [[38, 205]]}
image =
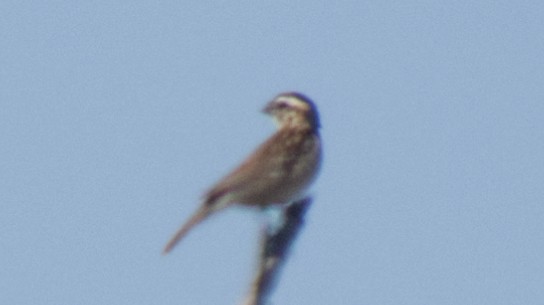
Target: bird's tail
{"points": [[202, 213]]}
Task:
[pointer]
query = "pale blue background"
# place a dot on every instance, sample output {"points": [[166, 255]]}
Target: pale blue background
{"points": [[116, 115]]}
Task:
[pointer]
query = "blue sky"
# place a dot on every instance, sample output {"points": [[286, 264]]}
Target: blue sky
{"points": [[116, 116]]}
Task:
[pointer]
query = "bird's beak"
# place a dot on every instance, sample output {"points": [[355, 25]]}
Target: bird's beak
{"points": [[268, 108]]}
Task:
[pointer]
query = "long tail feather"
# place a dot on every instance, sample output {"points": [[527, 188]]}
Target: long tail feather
{"points": [[201, 214]]}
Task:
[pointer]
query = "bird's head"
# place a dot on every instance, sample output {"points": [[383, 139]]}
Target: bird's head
{"points": [[293, 110]]}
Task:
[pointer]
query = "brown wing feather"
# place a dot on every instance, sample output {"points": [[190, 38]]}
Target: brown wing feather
{"points": [[252, 168], [271, 166]]}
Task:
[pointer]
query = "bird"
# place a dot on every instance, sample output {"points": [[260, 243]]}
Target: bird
{"points": [[278, 172]]}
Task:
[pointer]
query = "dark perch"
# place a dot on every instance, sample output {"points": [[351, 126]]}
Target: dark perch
{"points": [[274, 249]]}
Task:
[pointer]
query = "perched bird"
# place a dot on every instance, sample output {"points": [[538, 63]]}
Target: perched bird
{"points": [[278, 172]]}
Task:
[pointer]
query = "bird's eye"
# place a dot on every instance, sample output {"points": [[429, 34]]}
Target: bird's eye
{"points": [[282, 105]]}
